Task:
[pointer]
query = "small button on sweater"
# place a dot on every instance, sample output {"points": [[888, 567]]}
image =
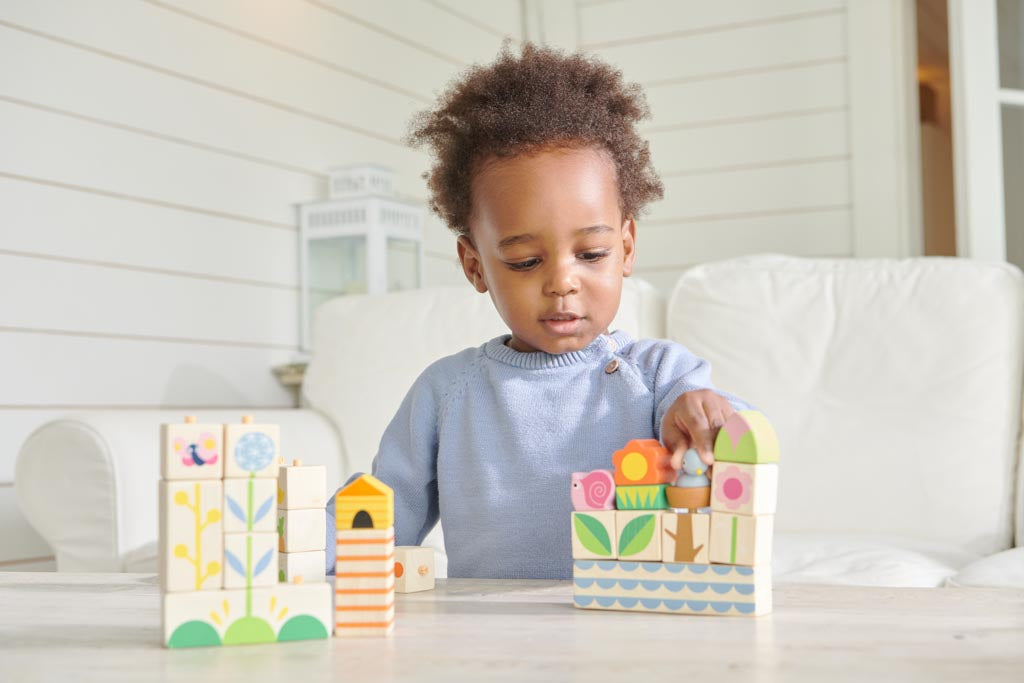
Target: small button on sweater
{"points": [[486, 441]]}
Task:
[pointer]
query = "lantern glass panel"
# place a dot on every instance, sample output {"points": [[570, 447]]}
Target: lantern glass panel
{"points": [[403, 264], [337, 266]]}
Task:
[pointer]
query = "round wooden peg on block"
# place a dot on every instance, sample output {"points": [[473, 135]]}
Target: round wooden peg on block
{"points": [[296, 463], [247, 419], [190, 419]]}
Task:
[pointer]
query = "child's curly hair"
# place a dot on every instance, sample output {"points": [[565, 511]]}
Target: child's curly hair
{"points": [[540, 99]]}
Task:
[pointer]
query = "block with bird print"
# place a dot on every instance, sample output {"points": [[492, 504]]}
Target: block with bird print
{"points": [[191, 450]]}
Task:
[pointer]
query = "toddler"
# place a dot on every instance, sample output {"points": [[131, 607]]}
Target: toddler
{"points": [[541, 175]]}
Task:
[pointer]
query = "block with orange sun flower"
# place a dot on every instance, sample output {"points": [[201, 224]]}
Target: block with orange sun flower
{"points": [[643, 461]]}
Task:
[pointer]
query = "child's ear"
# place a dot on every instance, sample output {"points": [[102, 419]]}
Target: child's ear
{"points": [[469, 257], [628, 246]]}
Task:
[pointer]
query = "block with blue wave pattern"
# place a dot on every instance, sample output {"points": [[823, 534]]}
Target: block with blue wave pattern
{"points": [[678, 588]]}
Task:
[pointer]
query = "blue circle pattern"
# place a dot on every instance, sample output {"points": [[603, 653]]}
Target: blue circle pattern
{"points": [[254, 451]]}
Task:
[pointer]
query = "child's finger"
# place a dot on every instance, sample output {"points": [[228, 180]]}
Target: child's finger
{"points": [[695, 422], [717, 413], [676, 440]]}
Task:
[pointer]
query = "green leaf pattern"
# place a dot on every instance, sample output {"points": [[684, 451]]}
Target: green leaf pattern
{"points": [[636, 535], [592, 535]]}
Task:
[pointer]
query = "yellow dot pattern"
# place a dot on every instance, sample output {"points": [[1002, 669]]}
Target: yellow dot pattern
{"points": [[634, 466]]}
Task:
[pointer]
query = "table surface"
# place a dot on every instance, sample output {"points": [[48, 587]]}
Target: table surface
{"points": [[105, 627]]}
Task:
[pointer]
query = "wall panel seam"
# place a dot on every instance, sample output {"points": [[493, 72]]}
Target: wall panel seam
{"points": [[267, 42], [26, 560], [164, 137], [753, 118], [150, 270], [386, 32], [147, 338], [749, 71], [267, 102], [250, 220], [140, 406], [743, 214], [715, 28], [776, 163], [472, 21]]}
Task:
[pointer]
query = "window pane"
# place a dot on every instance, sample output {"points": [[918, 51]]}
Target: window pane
{"points": [[1011, 43]]}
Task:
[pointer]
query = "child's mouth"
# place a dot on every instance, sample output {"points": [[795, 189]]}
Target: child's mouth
{"points": [[562, 323]]}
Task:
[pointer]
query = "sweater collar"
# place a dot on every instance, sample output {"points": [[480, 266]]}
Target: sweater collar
{"points": [[537, 360]]}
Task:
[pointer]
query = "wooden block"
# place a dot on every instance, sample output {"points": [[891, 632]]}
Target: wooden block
{"points": [[301, 530], [639, 535], [191, 451], [352, 620], [301, 486], [679, 588], [307, 567], [748, 437], [593, 490], [741, 539], [414, 568], [366, 503], [250, 560], [365, 582], [240, 617], [744, 489], [685, 537], [643, 461], [365, 553], [249, 505], [594, 535], [191, 535], [650, 497], [251, 449]]}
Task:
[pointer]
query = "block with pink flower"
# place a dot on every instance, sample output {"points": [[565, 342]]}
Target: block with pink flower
{"points": [[744, 489]]}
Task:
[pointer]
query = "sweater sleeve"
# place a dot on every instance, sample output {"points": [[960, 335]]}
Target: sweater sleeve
{"points": [[675, 371], [407, 462]]}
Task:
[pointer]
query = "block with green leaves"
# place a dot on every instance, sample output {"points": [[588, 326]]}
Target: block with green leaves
{"points": [[648, 497], [593, 535], [639, 535]]}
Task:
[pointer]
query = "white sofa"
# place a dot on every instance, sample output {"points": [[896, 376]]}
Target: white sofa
{"points": [[895, 387]]}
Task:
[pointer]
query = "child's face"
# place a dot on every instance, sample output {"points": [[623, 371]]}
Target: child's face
{"points": [[548, 241]]}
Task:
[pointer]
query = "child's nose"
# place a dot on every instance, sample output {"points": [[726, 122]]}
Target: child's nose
{"points": [[561, 281]]}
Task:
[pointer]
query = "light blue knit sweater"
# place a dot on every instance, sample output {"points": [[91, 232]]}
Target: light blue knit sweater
{"points": [[486, 440]]}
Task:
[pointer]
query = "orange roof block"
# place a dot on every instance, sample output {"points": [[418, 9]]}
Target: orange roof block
{"points": [[643, 461]]}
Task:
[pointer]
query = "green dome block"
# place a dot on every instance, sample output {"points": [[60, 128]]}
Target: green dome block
{"points": [[249, 630], [302, 627], [194, 634], [747, 437]]}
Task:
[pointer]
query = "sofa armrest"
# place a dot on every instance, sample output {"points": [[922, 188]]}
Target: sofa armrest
{"points": [[88, 484]]}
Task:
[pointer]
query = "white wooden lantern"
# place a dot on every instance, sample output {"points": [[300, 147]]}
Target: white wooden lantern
{"points": [[363, 240]]}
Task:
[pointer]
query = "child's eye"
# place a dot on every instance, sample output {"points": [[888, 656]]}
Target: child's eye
{"points": [[524, 265], [592, 256]]}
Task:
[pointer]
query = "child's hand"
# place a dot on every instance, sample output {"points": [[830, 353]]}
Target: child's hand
{"points": [[693, 421]]}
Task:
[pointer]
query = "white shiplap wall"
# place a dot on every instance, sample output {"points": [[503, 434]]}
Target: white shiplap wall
{"points": [[153, 153], [750, 128]]}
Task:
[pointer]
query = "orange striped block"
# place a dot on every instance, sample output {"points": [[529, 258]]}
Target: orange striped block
{"points": [[364, 582], [364, 621]]}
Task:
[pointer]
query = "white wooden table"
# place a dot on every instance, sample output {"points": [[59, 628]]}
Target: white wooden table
{"points": [[105, 627]]}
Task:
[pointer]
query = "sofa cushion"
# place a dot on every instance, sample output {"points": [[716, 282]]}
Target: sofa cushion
{"points": [[368, 350], [894, 385]]}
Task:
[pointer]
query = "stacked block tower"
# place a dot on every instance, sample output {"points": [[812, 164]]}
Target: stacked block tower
{"points": [[645, 538], [218, 544], [364, 575], [301, 522]]}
